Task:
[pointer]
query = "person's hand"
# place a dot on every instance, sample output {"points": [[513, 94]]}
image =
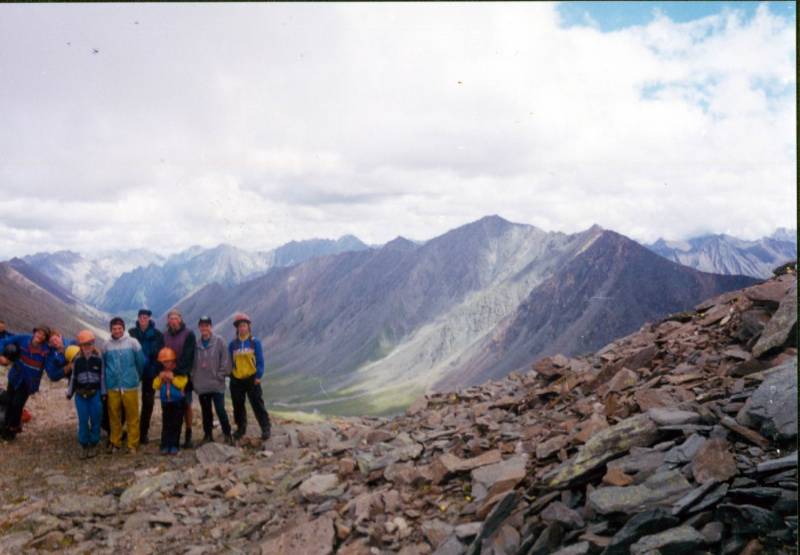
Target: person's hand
{"points": [[257, 381], [4, 361]]}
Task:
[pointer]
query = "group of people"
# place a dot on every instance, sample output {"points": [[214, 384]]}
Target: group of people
{"points": [[105, 382]]}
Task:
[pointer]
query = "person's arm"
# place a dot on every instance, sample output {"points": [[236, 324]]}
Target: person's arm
{"points": [[8, 340], [158, 344], [103, 391], [224, 359], [187, 356], [259, 360], [139, 358], [71, 385], [54, 365]]}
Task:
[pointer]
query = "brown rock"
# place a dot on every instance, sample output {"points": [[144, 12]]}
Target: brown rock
{"points": [[551, 446], [753, 547], [379, 436], [547, 368], [347, 466], [780, 326], [624, 379], [500, 477], [449, 464], [356, 547], [654, 398], [417, 406], [747, 433], [607, 444], [616, 477], [236, 491], [308, 537], [436, 531], [715, 315], [600, 542], [590, 427], [713, 462], [772, 291]]}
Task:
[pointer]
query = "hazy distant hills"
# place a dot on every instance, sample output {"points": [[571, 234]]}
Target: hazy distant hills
{"points": [[28, 297], [476, 302], [125, 281], [724, 254], [88, 276]]}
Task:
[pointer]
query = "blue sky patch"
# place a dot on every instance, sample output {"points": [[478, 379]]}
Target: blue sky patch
{"points": [[613, 16]]}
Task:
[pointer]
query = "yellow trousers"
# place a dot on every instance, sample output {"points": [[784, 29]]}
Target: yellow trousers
{"points": [[130, 400]]}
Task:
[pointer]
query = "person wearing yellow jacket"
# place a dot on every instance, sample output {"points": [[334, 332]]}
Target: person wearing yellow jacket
{"points": [[247, 359]]}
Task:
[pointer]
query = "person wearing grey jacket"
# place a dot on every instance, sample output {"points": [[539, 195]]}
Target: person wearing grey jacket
{"points": [[211, 366]]}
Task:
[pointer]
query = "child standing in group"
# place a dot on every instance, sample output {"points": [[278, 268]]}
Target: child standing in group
{"points": [[171, 389], [87, 384]]}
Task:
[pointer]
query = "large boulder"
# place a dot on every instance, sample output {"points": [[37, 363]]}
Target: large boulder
{"points": [[780, 326], [773, 406]]}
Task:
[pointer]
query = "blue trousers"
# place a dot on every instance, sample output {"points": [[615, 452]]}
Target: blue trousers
{"points": [[90, 413], [218, 402]]}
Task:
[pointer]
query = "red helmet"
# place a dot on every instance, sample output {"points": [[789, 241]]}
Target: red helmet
{"points": [[239, 318]]}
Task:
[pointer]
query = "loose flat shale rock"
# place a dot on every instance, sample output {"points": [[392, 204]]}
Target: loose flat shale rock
{"points": [[714, 462], [216, 453], [774, 404], [315, 537], [780, 326], [637, 430], [683, 539], [631, 499]]}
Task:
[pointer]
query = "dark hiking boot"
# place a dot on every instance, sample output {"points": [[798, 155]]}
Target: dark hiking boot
{"points": [[187, 442]]}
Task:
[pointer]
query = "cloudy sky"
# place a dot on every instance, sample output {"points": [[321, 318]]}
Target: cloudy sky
{"points": [[163, 126]]}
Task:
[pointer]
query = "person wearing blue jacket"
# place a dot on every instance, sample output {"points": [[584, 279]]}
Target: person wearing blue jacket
{"points": [[152, 341], [124, 364], [4, 333], [87, 385], [39, 353]]}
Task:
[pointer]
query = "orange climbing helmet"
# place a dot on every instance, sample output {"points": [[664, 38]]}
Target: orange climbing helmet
{"points": [[239, 318], [166, 354], [84, 337]]}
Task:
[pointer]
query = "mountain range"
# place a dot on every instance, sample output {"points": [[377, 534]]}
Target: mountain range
{"points": [[351, 328], [123, 282], [89, 276], [381, 325], [724, 254]]}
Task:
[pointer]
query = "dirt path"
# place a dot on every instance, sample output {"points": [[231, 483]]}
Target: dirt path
{"points": [[43, 460]]}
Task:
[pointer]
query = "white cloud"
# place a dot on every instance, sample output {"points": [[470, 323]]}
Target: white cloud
{"points": [[258, 124]]}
